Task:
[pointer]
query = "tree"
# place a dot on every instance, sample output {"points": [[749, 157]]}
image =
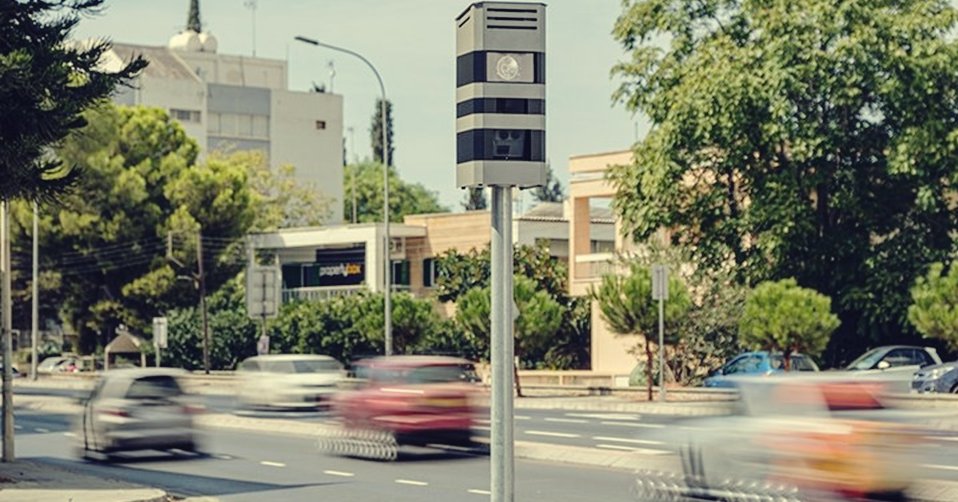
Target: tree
{"points": [[376, 133], [280, 198], [404, 198], [627, 307], [809, 139], [46, 82], [786, 318], [475, 200], [550, 192], [539, 321], [106, 247], [934, 311]]}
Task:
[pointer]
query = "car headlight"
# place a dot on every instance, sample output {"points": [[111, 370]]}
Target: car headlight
{"points": [[934, 374]]}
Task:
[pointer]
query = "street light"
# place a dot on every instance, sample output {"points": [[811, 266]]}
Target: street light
{"points": [[387, 315]]}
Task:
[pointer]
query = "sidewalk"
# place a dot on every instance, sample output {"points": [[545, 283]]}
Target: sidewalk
{"points": [[33, 481]]}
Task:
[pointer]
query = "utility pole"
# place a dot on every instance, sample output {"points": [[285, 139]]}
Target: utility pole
{"points": [[7, 332], [202, 285], [35, 301]]}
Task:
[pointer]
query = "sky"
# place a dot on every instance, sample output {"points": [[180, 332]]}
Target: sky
{"points": [[412, 44]]}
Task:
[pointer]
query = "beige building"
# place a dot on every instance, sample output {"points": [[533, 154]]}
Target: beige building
{"points": [[588, 186]]}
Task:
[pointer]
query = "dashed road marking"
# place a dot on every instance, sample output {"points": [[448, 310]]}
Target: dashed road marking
{"points": [[411, 482], [626, 440], [272, 464], [223, 457], [567, 420], [553, 434], [69, 434], [522, 417], [605, 416], [643, 451], [630, 424], [41, 429], [339, 473], [482, 427], [483, 421], [479, 492], [941, 467]]}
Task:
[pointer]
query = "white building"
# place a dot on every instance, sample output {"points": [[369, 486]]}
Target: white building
{"points": [[228, 102]]}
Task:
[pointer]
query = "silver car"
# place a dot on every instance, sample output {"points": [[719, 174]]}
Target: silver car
{"points": [[137, 409]]}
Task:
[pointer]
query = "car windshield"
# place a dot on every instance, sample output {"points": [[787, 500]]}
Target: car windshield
{"points": [[300, 366], [799, 363], [867, 360], [154, 387]]}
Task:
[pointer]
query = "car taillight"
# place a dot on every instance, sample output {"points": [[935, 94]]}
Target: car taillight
{"points": [[193, 409], [115, 412]]}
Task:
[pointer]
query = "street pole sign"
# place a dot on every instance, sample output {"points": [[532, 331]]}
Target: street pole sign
{"points": [[660, 292], [263, 293], [500, 143], [159, 336]]}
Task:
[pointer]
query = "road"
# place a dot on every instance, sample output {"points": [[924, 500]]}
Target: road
{"points": [[612, 431], [256, 466]]}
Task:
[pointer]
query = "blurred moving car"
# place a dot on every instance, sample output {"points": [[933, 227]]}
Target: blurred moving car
{"points": [[57, 364], [937, 378], [409, 400], [288, 381], [757, 363], [137, 409], [823, 437]]}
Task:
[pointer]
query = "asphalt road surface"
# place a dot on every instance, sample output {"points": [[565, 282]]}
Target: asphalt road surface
{"points": [[242, 466]]}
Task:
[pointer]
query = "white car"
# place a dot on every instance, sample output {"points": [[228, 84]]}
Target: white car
{"points": [[288, 381]]}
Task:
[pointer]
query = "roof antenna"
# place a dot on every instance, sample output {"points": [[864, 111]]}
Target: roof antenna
{"points": [[251, 5]]}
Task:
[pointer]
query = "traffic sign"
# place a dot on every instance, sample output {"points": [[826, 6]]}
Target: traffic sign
{"points": [[160, 332], [263, 291], [660, 282]]}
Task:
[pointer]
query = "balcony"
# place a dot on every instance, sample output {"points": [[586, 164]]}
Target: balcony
{"points": [[319, 293], [589, 269]]}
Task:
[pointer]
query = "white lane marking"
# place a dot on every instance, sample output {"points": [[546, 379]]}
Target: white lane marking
{"points": [[412, 482], [483, 421], [272, 464], [223, 457], [41, 429], [942, 438], [941, 467], [552, 434], [643, 451], [482, 427], [605, 416], [625, 440], [567, 420], [69, 434], [522, 417], [339, 473], [479, 492], [448, 447], [629, 424]]}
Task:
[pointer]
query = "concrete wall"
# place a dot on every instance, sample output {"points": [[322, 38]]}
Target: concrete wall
{"points": [[316, 153], [226, 69], [177, 94], [610, 352]]}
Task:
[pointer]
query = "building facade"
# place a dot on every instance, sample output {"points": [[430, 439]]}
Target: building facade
{"points": [[230, 102]]}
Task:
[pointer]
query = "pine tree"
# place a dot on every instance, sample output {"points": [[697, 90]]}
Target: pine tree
{"points": [[376, 132]]}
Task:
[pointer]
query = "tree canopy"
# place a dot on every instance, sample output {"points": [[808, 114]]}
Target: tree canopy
{"points": [[376, 132], [550, 192], [46, 82], [934, 311], [404, 198], [783, 317], [475, 199], [814, 139]]}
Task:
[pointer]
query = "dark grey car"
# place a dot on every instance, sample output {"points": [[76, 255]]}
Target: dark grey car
{"points": [[937, 378]]}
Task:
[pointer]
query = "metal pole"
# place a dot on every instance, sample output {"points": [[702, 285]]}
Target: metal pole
{"points": [[662, 348], [387, 313], [202, 279], [35, 299], [502, 462], [7, 333]]}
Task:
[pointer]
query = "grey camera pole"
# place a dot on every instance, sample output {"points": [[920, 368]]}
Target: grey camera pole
{"points": [[503, 461]]}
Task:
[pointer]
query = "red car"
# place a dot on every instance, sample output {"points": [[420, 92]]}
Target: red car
{"points": [[406, 400]]}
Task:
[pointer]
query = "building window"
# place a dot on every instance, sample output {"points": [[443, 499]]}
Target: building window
{"points": [[429, 272], [238, 125], [602, 246], [400, 275], [320, 124], [186, 115]]}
